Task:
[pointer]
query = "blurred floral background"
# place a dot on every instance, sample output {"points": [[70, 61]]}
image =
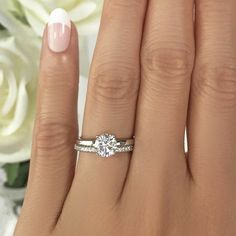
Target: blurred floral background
{"points": [[21, 27]]}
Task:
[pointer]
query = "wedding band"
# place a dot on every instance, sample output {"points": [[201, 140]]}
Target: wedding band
{"points": [[105, 145]]}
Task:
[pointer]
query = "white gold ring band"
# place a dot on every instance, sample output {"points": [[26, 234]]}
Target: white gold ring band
{"points": [[105, 145]]}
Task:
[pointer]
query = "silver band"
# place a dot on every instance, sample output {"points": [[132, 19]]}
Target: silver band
{"points": [[105, 145]]}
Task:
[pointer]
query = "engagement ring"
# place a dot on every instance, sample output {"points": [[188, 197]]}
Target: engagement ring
{"points": [[105, 145]]}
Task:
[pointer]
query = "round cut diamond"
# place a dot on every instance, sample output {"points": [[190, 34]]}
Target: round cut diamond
{"points": [[106, 145]]}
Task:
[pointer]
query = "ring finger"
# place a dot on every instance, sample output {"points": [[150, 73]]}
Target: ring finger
{"points": [[111, 105]]}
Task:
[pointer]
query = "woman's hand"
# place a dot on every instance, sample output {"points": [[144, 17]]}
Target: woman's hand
{"points": [[147, 79]]}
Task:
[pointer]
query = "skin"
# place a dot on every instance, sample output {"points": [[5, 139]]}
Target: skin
{"points": [[155, 71]]}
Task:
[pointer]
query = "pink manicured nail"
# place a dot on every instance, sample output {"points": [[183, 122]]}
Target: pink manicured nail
{"points": [[59, 27]]}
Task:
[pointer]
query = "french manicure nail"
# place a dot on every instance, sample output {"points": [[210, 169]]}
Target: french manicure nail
{"points": [[59, 30]]}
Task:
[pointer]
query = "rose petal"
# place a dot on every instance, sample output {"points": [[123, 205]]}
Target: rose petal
{"points": [[68, 4], [89, 26], [5, 60], [21, 155], [12, 24], [82, 11], [20, 111], [37, 25], [12, 92], [10, 5], [9, 44], [1, 77], [36, 14], [15, 142]]}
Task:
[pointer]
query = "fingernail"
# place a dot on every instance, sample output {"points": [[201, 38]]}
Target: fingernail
{"points": [[59, 27]]}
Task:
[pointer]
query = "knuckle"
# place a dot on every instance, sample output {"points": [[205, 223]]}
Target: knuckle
{"points": [[217, 85], [119, 82], [59, 78], [166, 62], [52, 135], [166, 72]]}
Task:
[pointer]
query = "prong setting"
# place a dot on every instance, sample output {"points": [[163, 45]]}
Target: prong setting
{"points": [[106, 145]]}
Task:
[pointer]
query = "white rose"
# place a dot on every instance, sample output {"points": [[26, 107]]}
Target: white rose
{"points": [[18, 74]]}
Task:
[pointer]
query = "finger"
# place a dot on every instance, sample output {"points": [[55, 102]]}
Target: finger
{"points": [[111, 103], [112, 95], [212, 130], [53, 157], [167, 61]]}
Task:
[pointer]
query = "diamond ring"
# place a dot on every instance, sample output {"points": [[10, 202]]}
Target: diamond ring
{"points": [[105, 145]]}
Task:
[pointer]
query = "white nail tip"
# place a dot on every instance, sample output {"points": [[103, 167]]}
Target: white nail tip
{"points": [[59, 15]]}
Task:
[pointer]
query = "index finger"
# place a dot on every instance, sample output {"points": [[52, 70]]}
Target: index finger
{"points": [[55, 132]]}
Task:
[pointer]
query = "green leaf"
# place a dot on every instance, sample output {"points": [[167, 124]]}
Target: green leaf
{"points": [[22, 177], [1, 27], [12, 171]]}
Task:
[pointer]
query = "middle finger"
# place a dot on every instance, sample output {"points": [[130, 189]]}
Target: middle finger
{"points": [[167, 61]]}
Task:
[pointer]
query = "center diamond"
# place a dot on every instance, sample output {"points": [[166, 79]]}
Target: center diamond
{"points": [[106, 145]]}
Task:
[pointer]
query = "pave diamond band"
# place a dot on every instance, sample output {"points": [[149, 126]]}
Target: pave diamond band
{"points": [[105, 145]]}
